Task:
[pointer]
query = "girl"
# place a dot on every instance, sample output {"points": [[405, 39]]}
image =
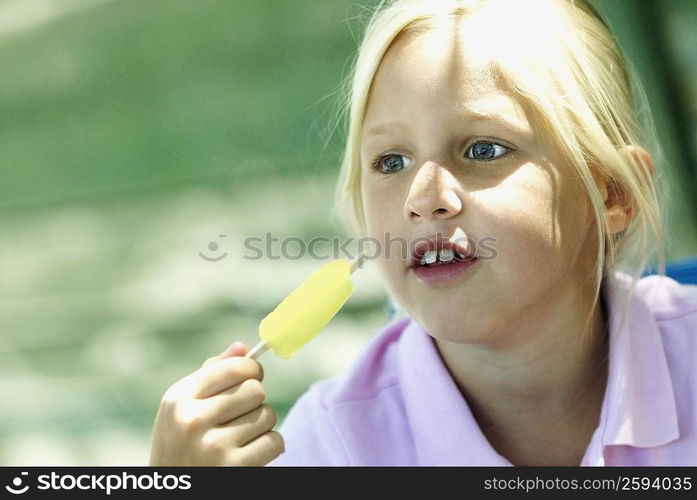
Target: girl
{"points": [[511, 121]]}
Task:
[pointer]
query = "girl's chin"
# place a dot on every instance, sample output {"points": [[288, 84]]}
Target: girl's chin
{"points": [[459, 330], [448, 310], [461, 337]]}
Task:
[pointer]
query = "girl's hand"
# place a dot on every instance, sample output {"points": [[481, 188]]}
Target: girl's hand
{"points": [[215, 416]]}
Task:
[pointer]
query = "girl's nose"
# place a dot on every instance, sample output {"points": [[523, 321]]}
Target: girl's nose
{"points": [[433, 194]]}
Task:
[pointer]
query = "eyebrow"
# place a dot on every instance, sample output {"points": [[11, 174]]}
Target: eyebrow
{"points": [[384, 128], [471, 116]]}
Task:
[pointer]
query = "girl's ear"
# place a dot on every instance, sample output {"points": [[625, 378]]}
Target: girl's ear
{"points": [[640, 156], [618, 205]]}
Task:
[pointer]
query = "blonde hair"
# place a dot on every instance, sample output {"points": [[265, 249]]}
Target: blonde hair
{"points": [[570, 73]]}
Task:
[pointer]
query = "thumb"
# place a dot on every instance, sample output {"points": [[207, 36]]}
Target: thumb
{"points": [[235, 349]]}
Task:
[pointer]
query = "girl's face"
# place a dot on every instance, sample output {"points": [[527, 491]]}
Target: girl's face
{"points": [[445, 150]]}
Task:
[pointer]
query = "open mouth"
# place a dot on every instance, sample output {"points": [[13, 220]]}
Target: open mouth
{"points": [[434, 253]]}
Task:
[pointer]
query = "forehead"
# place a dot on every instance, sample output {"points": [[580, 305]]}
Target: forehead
{"points": [[445, 70]]}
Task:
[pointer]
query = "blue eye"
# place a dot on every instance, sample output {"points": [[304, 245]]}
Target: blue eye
{"points": [[391, 163], [486, 151]]}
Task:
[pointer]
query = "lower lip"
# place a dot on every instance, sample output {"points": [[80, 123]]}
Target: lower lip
{"points": [[443, 273]]}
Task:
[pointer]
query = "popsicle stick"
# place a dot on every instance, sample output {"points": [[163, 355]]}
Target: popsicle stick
{"points": [[258, 350], [261, 347], [358, 262]]}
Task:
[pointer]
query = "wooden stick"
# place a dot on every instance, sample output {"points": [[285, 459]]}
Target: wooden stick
{"points": [[358, 262], [258, 350]]}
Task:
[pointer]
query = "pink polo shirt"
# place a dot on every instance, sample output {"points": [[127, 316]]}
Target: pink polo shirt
{"points": [[398, 405]]}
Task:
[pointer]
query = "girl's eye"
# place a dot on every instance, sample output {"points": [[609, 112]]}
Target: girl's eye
{"points": [[486, 151], [391, 163]]}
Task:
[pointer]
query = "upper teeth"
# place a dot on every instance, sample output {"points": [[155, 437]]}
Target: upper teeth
{"points": [[444, 255], [429, 257]]}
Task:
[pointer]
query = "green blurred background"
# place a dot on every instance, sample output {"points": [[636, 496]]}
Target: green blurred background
{"points": [[134, 133]]}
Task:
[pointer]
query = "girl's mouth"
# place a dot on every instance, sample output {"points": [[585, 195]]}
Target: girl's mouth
{"points": [[440, 261], [439, 252], [443, 272]]}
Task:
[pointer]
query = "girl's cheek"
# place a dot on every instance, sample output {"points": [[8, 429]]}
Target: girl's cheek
{"points": [[525, 245], [383, 210], [509, 208]]}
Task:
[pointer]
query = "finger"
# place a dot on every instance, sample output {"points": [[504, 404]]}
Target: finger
{"points": [[222, 375], [246, 428], [261, 450], [235, 349], [235, 402], [254, 424]]}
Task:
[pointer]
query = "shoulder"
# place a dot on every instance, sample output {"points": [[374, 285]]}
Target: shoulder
{"points": [[668, 299], [319, 429], [372, 372], [672, 308]]}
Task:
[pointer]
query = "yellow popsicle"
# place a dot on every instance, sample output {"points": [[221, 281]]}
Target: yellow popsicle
{"points": [[307, 309]]}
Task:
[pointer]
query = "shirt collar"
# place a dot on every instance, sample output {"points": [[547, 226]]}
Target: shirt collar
{"points": [[443, 428], [639, 406]]}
